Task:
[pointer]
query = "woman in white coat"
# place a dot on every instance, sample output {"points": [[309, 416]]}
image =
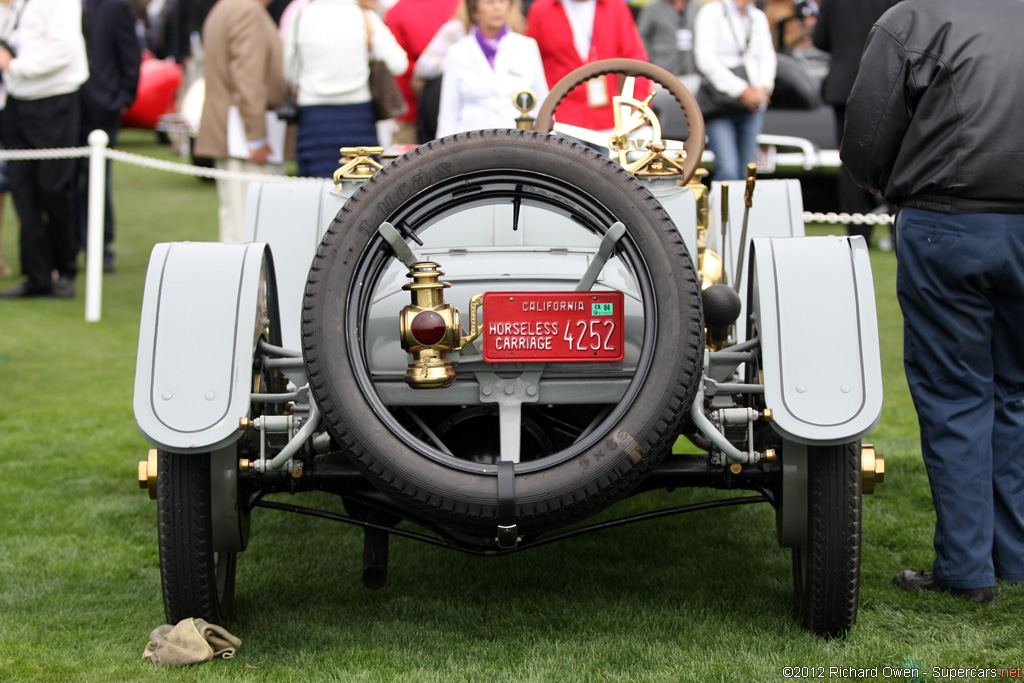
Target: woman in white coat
{"points": [[484, 70]]}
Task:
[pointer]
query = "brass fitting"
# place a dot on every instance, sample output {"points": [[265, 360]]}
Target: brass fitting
{"points": [[872, 468], [357, 163], [655, 163], [767, 415], [700, 195], [709, 263], [770, 455], [735, 468], [430, 328], [246, 465], [244, 424], [147, 473], [524, 101]]}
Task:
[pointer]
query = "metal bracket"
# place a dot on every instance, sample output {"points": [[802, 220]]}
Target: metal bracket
{"points": [[398, 244], [510, 394], [604, 252]]}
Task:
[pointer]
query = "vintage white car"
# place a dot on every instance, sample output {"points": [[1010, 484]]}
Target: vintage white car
{"points": [[502, 333]]}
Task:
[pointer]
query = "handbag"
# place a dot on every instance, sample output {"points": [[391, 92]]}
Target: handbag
{"points": [[388, 100], [714, 103]]}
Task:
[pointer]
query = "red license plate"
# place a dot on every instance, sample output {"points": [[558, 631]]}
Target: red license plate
{"points": [[553, 326]]}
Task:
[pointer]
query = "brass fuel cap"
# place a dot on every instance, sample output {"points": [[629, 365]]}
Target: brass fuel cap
{"points": [[147, 473], [872, 466]]}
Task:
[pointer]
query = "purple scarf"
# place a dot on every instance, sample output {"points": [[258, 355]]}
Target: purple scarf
{"points": [[489, 45]]}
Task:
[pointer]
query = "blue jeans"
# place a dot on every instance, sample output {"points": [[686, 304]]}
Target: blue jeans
{"points": [[733, 139], [960, 284]]}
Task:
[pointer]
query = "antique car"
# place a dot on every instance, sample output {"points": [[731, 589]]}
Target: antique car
{"points": [[500, 334]]}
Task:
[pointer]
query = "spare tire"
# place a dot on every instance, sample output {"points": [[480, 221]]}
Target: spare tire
{"points": [[580, 454]]}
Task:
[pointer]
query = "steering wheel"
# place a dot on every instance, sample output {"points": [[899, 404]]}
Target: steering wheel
{"points": [[630, 113]]}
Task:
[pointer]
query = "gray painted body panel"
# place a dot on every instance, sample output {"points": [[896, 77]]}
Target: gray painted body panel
{"points": [[292, 218], [777, 211], [815, 307]]}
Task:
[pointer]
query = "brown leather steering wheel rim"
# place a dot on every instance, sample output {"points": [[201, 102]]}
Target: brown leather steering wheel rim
{"points": [[694, 145]]}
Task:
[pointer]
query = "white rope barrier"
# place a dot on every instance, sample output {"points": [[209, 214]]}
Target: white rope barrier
{"points": [[848, 218], [215, 173], [58, 153], [98, 153]]}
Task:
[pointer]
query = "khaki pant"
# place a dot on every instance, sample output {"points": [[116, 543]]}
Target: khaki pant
{"points": [[406, 133], [232, 193]]}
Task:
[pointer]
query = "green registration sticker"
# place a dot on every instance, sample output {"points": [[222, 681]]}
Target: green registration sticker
{"points": [[601, 309]]}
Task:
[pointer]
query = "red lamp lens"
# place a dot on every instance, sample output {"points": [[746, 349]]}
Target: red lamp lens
{"points": [[428, 328]]}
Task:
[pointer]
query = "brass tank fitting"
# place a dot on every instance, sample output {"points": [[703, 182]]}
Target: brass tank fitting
{"points": [[357, 163], [147, 473], [709, 263], [872, 466]]}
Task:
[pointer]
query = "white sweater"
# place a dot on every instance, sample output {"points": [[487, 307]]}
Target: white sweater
{"points": [[51, 56], [720, 34], [325, 55]]}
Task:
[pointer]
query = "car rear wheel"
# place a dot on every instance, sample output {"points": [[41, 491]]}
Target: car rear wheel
{"points": [[587, 432], [826, 567], [198, 580]]}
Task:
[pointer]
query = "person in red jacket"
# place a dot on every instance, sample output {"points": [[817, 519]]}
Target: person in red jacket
{"points": [[571, 33], [414, 23]]}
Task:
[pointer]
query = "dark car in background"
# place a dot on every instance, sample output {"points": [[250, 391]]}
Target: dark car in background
{"points": [[799, 137]]}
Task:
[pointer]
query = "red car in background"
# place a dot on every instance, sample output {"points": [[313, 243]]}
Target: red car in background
{"points": [[159, 80]]}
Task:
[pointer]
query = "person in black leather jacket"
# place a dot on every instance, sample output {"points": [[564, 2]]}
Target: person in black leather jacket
{"points": [[841, 30], [933, 123]]}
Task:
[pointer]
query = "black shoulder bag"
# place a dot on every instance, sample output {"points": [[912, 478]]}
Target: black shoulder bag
{"points": [[713, 102]]}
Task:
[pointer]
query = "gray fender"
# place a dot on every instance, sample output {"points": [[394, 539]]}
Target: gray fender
{"points": [[204, 309], [813, 302]]}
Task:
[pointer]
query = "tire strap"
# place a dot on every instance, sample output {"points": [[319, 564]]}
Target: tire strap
{"points": [[508, 534]]}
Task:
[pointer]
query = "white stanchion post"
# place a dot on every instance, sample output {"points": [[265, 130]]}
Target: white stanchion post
{"points": [[98, 140]]}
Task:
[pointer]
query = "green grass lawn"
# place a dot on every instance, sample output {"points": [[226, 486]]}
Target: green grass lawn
{"points": [[699, 597]]}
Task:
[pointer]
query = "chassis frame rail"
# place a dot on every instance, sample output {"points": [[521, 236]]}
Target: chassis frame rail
{"points": [[525, 545]]}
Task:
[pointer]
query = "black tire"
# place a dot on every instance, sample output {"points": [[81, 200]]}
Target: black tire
{"points": [[826, 569], [565, 484], [197, 581]]}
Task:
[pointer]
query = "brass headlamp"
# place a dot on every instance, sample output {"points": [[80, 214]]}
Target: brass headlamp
{"points": [[431, 328]]}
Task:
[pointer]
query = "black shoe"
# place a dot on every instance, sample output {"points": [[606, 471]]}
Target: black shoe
{"points": [[924, 581], [108, 263], [64, 288], [25, 291]]}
